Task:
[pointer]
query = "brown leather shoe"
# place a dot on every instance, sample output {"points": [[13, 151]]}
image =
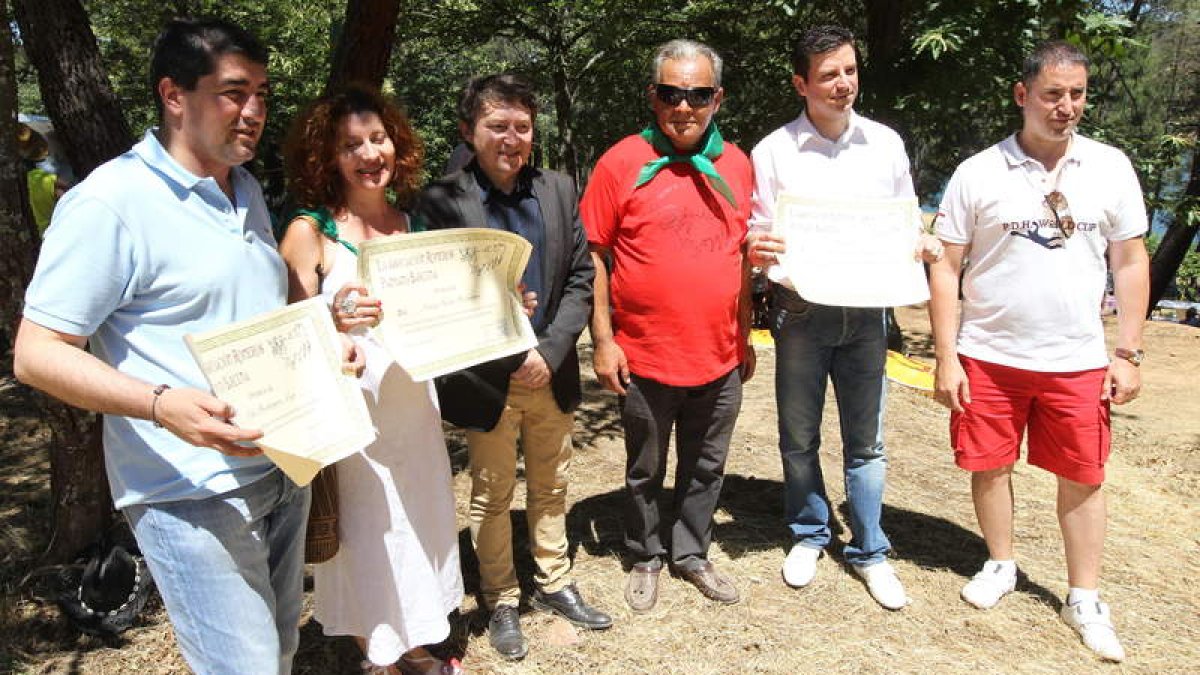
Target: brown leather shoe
{"points": [[714, 585], [641, 588]]}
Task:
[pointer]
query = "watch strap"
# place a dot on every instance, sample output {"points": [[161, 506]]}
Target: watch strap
{"points": [[1134, 356]]}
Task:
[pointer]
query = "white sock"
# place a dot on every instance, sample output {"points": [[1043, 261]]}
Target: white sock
{"points": [[1078, 595], [1006, 567]]}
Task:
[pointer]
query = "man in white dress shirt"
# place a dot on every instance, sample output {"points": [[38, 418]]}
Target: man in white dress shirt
{"points": [[830, 151]]}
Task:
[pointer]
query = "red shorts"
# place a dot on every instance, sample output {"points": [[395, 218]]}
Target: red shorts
{"points": [[1069, 430]]}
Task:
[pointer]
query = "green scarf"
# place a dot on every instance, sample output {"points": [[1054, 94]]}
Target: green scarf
{"points": [[326, 224], [711, 147], [329, 228]]}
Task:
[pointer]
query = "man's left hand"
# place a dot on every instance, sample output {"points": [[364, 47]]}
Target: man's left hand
{"points": [[1122, 383], [764, 248], [749, 362], [534, 373], [929, 249]]}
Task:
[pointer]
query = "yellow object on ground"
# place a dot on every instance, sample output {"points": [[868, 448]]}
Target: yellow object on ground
{"points": [[909, 372], [761, 337]]}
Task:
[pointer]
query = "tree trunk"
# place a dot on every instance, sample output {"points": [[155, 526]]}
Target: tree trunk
{"points": [[58, 40], [884, 43], [18, 243], [365, 43], [565, 119], [1177, 239]]}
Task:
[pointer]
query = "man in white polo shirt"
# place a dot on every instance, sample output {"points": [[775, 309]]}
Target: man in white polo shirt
{"points": [[829, 151], [1041, 218]]}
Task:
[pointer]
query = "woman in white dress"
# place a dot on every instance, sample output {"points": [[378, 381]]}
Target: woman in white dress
{"points": [[396, 575]]}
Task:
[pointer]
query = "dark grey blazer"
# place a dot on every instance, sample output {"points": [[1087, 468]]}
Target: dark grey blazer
{"points": [[474, 398]]}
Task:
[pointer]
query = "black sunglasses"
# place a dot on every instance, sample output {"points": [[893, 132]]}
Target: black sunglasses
{"points": [[696, 97]]}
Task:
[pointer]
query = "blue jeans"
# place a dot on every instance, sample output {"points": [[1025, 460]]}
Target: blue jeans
{"points": [[230, 569], [848, 346]]}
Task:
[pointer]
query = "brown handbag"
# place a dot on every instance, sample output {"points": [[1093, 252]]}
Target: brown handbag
{"points": [[321, 535]]}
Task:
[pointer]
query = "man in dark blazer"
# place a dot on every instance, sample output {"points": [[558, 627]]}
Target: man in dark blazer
{"points": [[530, 395]]}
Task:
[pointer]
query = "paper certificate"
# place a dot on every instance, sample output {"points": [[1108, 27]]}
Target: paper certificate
{"points": [[281, 372], [448, 300], [852, 252]]}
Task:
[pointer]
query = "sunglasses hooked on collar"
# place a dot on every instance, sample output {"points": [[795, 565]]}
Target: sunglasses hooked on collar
{"points": [[696, 97], [1057, 202]]}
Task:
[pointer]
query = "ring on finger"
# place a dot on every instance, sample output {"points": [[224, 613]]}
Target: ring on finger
{"points": [[348, 306]]}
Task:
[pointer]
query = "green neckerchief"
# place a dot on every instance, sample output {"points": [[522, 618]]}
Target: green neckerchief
{"points": [[326, 225], [711, 147], [329, 228]]}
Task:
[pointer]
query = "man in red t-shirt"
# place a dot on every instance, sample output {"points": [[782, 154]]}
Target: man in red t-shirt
{"points": [[666, 212]]}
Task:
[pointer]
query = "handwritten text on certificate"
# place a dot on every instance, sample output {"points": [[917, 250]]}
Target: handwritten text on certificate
{"points": [[448, 297], [852, 252], [281, 372]]}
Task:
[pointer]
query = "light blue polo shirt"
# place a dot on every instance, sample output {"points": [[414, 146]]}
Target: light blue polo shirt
{"points": [[138, 255]]}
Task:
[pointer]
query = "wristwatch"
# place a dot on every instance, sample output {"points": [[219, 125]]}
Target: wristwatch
{"points": [[1134, 356]]}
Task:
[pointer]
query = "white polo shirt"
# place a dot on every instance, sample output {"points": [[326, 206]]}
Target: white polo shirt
{"points": [[1031, 299], [867, 162]]}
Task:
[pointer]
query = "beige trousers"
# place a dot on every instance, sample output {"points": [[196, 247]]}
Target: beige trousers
{"points": [[545, 436]]}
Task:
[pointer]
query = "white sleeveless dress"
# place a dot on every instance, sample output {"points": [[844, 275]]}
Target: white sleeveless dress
{"points": [[396, 575]]}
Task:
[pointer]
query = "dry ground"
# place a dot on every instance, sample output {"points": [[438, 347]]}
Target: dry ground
{"points": [[832, 626]]}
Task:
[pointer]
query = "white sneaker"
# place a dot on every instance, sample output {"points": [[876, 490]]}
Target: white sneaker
{"points": [[884, 585], [990, 584], [1094, 624], [800, 566]]}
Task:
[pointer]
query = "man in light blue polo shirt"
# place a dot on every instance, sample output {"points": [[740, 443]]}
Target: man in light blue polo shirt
{"points": [[171, 238]]}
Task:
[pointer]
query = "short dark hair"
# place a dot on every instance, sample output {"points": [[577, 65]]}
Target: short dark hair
{"points": [[503, 88], [1052, 53], [818, 40], [187, 50]]}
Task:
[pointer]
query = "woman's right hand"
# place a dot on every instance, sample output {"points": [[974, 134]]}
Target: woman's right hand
{"points": [[352, 308]]}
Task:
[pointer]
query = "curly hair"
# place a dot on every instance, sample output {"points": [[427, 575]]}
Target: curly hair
{"points": [[310, 151]]}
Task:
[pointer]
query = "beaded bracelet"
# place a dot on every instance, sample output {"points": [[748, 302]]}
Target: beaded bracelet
{"points": [[158, 392]]}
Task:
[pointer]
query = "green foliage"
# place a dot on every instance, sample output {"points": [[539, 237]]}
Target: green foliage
{"points": [[940, 40], [942, 77], [950, 93], [299, 35], [1144, 97], [28, 100]]}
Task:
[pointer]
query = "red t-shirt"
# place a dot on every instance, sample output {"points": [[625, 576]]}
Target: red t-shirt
{"points": [[677, 260]]}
